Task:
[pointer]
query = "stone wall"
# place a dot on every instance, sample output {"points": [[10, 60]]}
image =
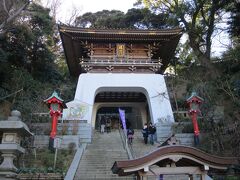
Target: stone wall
{"points": [[41, 141], [165, 131]]}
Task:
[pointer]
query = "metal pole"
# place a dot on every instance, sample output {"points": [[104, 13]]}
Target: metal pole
{"points": [[55, 158]]}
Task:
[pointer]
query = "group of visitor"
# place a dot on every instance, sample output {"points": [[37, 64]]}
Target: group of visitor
{"points": [[105, 124], [149, 132]]}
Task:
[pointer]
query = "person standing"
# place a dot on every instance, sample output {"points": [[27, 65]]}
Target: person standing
{"points": [[130, 133], [108, 125], [152, 131], [145, 133], [103, 124]]}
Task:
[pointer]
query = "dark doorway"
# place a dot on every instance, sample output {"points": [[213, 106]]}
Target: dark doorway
{"points": [[132, 116], [134, 103]]}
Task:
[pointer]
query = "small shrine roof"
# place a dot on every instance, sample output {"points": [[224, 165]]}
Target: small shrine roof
{"points": [[182, 155], [55, 95], [194, 95]]}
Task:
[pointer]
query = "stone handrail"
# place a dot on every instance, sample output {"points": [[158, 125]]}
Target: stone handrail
{"points": [[127, 146], [75, 162]]}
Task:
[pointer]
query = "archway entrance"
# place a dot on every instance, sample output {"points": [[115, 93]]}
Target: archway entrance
{"points": [[95, 90], [107, 104]]}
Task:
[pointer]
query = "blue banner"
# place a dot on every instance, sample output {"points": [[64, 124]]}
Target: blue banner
{"points": [[122, 117]]}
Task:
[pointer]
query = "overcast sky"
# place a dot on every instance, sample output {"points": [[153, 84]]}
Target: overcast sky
{"points": [[84, 6], [65, 12], [98, 5]]}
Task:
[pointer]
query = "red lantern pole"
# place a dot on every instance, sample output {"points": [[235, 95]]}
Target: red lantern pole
{"points": [[195, 123], [55, 116], [55, 104], [194, 101]]}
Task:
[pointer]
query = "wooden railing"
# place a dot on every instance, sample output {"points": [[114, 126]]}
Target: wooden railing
{"points": [[120, 61]]}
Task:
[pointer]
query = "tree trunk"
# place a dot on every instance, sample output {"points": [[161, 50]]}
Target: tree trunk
{"points": [[211, 70]]}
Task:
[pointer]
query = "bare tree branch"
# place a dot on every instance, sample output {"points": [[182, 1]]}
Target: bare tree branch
{"points": [[12, 14], [75, 13], [5, 7], [2, 98]]}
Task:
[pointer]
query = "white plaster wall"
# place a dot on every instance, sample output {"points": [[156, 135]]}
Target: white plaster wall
{"points": [[152, 85]]}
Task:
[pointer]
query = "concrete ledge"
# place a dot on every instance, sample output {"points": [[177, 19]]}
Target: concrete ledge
{"points": [[185, 138], [43, 141], [74, 165]]}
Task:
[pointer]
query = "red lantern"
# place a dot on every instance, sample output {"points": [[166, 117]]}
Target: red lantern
{"points": [[194, 102], [56, 105]]}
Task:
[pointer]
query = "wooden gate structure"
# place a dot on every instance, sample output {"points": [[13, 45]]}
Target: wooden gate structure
{"points": [[175, 160]]}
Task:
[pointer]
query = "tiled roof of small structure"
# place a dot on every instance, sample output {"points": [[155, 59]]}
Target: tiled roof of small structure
{"points": [[160, 153]]}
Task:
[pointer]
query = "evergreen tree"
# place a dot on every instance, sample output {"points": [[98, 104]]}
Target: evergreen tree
{"points": [[133, 19]]}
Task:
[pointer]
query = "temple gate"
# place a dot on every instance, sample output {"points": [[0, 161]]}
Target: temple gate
{"points": [[119, 68]]}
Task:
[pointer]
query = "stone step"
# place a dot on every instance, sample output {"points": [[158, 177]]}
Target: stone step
{"points": [[139, 148], [99, 156]]}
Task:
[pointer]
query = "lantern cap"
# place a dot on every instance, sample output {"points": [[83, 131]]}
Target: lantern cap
{"points": [[194, 96], [55, 96], [14, 123]]}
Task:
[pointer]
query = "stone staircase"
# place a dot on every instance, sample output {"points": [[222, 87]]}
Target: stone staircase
{"points": [[99, 156], [139, 147], [107, 148]]}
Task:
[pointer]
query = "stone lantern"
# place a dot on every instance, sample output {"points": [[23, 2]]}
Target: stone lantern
{"points": [[12, 131]]}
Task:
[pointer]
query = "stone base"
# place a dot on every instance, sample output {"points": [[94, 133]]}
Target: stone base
{"points": [[7, 164], [8, 175]]}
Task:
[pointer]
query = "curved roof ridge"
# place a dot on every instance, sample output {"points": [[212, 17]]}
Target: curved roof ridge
{"points": [[67, 28], [178, 150]]}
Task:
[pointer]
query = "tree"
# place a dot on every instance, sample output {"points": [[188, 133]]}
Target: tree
{"points": [[30, 44], [101, 19], [199, 19], [234, 21], [54, 6], [9, 11], [134, 19], [145, 19], [28, 72]]}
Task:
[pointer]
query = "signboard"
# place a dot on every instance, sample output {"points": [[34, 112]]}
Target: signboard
{"points": [[57, 142], [76, 111]]}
